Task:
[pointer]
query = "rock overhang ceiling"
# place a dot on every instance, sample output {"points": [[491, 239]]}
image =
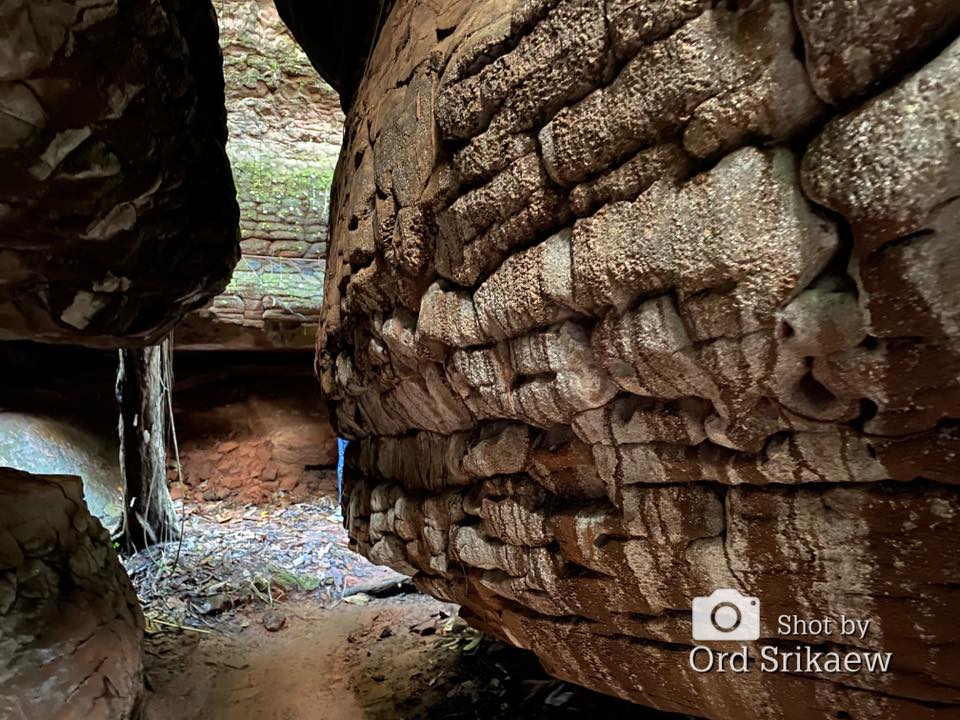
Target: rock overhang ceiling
{"points": [[117, 207]]}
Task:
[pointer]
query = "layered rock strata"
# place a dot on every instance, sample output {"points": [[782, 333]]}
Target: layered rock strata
{"points": [[626, 302], [285, 130]]}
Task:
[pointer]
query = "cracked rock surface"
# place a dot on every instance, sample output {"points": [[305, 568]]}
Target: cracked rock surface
{"points": [[71, 630], [117, 207], [626, 302]]}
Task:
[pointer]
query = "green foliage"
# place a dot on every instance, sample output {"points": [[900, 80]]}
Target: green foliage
{"points": [[290, 582], [459, 637]]}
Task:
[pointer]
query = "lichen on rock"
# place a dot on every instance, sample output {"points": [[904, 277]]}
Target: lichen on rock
{"points": [[285, 128]]}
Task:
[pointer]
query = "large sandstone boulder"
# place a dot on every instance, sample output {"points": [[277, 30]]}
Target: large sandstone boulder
{"points": [[45, 445], [117, 208], [71, 630], [627, 302]]}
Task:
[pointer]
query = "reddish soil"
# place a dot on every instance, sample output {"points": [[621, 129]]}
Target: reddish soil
{"points": [[265, 438], [294, 674], [246, 470], [402, 658]]}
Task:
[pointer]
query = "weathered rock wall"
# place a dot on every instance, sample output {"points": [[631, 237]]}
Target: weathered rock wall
{"points": [[626, 302], [271, 303], [71, 630], [117, 209], [286, 127], [273, 94]]}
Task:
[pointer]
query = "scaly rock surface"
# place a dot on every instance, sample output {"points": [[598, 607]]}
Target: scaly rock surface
{"points": [[117, 208], [71, 630], [852, 47], [621, 309]]}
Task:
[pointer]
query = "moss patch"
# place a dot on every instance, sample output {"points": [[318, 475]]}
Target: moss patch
{"points": [[283, 187]]}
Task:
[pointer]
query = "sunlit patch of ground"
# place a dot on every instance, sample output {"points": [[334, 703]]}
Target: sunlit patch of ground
{"points": [[233, 557], [401, 658]]}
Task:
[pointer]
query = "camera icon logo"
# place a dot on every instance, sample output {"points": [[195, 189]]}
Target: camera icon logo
{"points": [[726, 614]]}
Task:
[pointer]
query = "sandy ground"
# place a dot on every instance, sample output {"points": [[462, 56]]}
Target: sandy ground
{"points": [[402, 658], [297, 673]]}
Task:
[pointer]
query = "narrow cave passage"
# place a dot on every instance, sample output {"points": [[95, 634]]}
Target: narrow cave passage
{"points": [[249, 603], [262, 610]]}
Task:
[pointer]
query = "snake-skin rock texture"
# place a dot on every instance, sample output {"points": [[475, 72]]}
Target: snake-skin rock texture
{"points": [[630, 301], [117, 207]]}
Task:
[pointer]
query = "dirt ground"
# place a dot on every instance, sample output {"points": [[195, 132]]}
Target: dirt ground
{"points": [[263, 613], [402, 658]]}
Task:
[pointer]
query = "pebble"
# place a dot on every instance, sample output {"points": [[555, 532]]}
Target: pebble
{"points": [[273, 621]]}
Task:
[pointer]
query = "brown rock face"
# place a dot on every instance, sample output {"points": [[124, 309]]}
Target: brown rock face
{"points": [[852, 47], [70, 624], [117, 209], [618, 312]]}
